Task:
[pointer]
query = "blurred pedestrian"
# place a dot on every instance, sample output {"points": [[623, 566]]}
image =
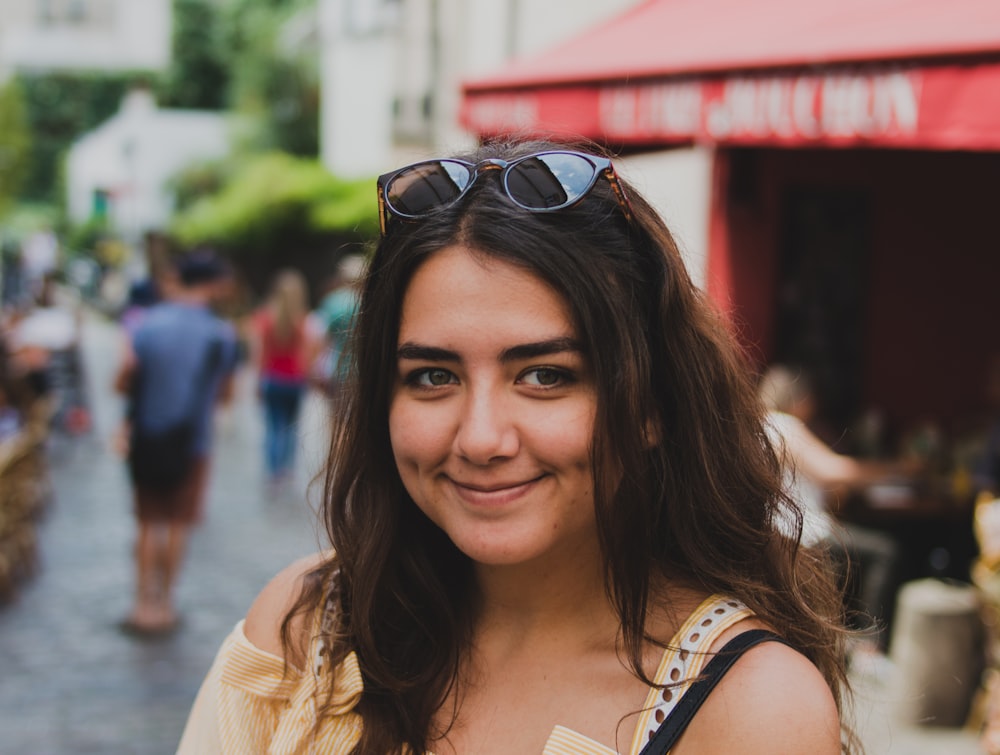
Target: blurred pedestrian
{"points": [[819, 478], [40, 255], [12, 285], [549, 498], [142, 295], [45, 347], [179, 366], [336, 313], [284, 341]]}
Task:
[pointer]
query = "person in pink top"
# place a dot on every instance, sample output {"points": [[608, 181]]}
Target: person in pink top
{"points": [[283, 344], [550, 499]]}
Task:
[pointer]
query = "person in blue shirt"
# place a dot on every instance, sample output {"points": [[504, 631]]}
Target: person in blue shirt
{"points": [[179, 364]]}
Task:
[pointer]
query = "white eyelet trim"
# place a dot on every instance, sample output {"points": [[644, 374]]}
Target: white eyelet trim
{"points": [[683, 663]]}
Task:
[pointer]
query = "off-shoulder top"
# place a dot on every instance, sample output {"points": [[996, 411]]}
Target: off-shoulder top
{"points": [[249, 705]]}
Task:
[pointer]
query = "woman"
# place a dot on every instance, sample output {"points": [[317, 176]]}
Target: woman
{"points": [[550, 500], [283, 344]]}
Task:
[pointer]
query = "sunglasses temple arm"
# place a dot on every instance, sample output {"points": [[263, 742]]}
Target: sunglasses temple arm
{"points": [[619, 191], [381, 210]]}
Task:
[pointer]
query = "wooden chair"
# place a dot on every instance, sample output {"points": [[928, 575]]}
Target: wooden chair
{"points": [[25, 490]]}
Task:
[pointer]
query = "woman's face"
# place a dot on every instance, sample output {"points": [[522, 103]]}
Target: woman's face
{"points": [[493, 411]]}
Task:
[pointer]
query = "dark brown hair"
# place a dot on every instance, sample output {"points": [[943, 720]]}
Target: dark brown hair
{"points": [[699, 503]]}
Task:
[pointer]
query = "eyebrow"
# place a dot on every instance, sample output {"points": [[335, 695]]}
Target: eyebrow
{"points": [[420, 352]]}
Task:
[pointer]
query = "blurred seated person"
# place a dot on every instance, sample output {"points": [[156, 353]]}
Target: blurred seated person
{"points": [[10, 414], [40, 336], [986, 569], [817, 478]]}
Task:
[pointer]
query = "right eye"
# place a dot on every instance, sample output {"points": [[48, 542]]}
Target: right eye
{"points": [[431, 377]]}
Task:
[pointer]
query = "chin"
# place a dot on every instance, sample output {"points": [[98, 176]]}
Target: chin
{"points": [[497, 551]]}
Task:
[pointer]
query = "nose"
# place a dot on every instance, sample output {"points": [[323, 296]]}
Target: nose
{"points": [[486, 431]]}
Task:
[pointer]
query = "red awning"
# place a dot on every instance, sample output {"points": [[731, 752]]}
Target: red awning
{"points": [[904, 73]]}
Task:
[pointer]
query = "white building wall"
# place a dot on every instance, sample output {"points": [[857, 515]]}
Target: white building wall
{"points": [[85, 34], [133, 155], [356, 65], [678, 183], [392, 69], [541, 25]]}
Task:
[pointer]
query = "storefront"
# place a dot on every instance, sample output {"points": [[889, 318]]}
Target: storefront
{"points": [[854, 177]]}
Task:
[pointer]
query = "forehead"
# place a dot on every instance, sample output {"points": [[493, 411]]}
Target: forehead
{"points": [[458, 292]]}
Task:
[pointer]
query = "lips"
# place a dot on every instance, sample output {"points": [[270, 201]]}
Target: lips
{"points": [[494, 493]]}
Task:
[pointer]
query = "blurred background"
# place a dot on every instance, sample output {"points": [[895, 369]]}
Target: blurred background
{"points": [[830, 170]]}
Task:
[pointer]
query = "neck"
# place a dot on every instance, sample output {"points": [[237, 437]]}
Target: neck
{"points": [[558, 598], [196, 296]]}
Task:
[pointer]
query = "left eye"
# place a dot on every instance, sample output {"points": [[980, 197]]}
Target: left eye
{"points": [[543, 376], [435, 377]]}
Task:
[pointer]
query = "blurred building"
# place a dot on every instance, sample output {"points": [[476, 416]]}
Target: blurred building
{"points": [[393, 69], [121, 170], [84, 34]]}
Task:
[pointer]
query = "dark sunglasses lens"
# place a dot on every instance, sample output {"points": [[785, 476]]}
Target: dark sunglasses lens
{"points": [[425, 186], [550, 180]]}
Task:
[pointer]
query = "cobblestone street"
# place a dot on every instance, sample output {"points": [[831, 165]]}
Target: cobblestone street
{"points": [[71, 682]]}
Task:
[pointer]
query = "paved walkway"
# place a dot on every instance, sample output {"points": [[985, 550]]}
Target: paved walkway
{"points": [[71, 683]]}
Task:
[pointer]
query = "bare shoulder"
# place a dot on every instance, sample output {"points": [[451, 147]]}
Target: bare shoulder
{"points": [[268, 611], [774, 701]]}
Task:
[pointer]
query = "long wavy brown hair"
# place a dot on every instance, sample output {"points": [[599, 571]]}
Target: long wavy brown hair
{"points": [[700, 503], [289, 305]]}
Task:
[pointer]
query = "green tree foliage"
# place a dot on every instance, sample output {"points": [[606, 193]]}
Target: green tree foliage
{"points": [[198, 76], [276, 199], [15, 141], [275, 75], [199, 181], [60, 107]]}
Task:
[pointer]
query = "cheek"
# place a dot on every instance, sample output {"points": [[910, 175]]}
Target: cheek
{"points": [[399, 433], [415, 435], [571, 430], [403, 445]]}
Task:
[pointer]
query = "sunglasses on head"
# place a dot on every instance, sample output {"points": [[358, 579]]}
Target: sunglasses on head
{"points": [[542, 182]]}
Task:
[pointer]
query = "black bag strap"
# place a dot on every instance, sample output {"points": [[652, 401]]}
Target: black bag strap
{"points": [[675, 724]]}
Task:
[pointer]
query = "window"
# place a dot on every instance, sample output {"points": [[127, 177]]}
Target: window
{"points": [[74, 12], [46, 12]]}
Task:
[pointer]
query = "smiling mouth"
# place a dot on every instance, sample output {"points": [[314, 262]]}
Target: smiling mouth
{"points": [[496, 493]]}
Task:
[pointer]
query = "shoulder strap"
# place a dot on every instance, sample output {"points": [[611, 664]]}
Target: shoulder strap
{"points": [[675, 724]]}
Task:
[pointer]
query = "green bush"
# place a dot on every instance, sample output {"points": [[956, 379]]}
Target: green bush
{"points": [[15, 141], [198, 181], [198, 75], [273, 198]]}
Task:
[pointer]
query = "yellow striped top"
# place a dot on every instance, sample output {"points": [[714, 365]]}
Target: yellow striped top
{"points": [[247, 705]]}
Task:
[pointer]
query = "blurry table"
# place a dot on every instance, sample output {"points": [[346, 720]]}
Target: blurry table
{"points": [[931, 523]]}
